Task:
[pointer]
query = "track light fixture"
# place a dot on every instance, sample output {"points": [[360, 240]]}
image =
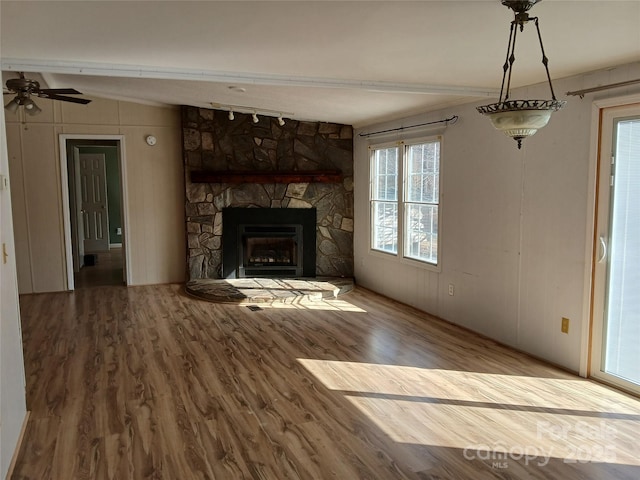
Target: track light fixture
{"points": [[520, 118], [254, 112]]}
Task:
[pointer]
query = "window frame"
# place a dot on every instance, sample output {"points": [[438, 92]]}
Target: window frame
{"points": [[403, 202]]}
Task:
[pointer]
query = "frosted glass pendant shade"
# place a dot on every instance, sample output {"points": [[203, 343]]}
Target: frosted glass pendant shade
{"points": [[519, 119]]}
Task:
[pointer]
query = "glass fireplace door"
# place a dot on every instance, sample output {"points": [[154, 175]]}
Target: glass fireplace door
{"points": [[270, 251]]}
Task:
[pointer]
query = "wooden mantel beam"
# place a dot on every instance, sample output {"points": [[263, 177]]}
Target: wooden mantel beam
{"points": [[238, 176]]}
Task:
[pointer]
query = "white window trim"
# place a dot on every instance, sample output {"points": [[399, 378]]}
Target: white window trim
{"points": [[400, 255]]}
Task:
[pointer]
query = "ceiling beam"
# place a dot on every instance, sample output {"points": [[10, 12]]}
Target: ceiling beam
{"points": [[167, 73]]}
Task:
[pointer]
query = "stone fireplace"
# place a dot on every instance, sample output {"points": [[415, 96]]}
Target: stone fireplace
{"points": [[275, 170]]}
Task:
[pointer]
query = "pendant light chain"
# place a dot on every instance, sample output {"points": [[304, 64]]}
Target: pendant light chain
{"points": [[545, 60], [511, 58]]}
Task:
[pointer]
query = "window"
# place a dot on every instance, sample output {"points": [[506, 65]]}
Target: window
{"points": [[384, 199], [405, 199]]}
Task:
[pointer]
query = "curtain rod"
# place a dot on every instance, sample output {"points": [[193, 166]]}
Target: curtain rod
{"points": [[449, 121], [582, 93]]}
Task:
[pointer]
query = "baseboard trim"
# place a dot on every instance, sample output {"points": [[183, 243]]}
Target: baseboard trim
{"points": [[16, 452], [115, 245]]}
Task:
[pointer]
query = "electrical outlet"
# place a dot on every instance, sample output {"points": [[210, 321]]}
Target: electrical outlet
{"points": [[451, 292], [564, 328]]}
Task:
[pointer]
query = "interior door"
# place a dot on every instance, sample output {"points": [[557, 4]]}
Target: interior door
{"points": [[615, 355], [93, 189]]}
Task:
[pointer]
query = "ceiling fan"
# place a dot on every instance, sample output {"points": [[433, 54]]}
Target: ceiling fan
{"points": [[24, 88]]}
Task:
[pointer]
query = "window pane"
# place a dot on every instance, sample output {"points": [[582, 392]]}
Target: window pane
{"points": [[421, 232], [384, 199], [423, 172], [384, 216], [385, 174]]}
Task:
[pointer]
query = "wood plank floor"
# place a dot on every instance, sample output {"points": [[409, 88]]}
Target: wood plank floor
{"points": [[108, 270], [148, 383]]}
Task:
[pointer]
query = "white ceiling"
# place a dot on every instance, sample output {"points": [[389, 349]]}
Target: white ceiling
{"points": [[348, 62]]}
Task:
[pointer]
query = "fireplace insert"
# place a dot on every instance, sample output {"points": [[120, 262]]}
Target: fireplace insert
{"points": [[270, 251], [268, 242]]}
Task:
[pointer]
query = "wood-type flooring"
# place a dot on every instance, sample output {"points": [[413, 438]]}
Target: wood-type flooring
{"points": [[149, 383]]}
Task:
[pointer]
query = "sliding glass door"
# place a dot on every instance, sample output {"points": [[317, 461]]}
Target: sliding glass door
{"points": [[616, 314]]}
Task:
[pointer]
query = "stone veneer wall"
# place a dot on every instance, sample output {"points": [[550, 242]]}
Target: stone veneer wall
{"points": [[212, 142]]}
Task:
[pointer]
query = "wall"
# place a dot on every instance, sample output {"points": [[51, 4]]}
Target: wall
{"points": [[113, 189], [154, 188], [13, 408], [214, 143], [515, 234]]}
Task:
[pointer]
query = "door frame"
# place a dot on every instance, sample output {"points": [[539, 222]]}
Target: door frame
{"points": [[66, 212], [74, 200], [592, 243]]}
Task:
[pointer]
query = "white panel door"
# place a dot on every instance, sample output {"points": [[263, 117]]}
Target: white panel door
{"points": [[616, 313], [93, 189]]}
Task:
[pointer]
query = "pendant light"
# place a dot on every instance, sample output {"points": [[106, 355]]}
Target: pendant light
{"points": [[520, 118]]}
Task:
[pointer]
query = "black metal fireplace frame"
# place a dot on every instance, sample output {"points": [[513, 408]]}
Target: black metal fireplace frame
{"points": [[235, 219]]}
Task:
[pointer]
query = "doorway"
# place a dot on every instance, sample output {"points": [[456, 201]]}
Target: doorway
{"points": [[615, 356], [95, 212]]}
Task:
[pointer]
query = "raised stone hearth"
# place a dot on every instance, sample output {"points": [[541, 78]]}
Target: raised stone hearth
{"points": [[263, 290], [218, 150]]}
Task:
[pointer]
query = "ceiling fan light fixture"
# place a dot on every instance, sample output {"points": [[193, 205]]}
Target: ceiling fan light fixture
{"points": [[255, 118], [32, 109], [281, 121], [13, 105], [28, 104], [520, 119], [25, 88]]}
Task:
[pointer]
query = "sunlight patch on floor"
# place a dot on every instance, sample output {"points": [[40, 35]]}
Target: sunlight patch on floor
{"points": [[488, 412], [336, 305]]}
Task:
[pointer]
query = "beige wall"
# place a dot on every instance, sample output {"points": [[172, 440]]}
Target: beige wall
{"points": [[517, 225], [154, 188]]}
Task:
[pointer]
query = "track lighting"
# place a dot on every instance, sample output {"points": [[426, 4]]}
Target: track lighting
{"points": [[253, 111]]}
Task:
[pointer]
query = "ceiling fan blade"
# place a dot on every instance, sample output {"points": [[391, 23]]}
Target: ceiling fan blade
{"points": [[59, 91], [83, 101]]}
